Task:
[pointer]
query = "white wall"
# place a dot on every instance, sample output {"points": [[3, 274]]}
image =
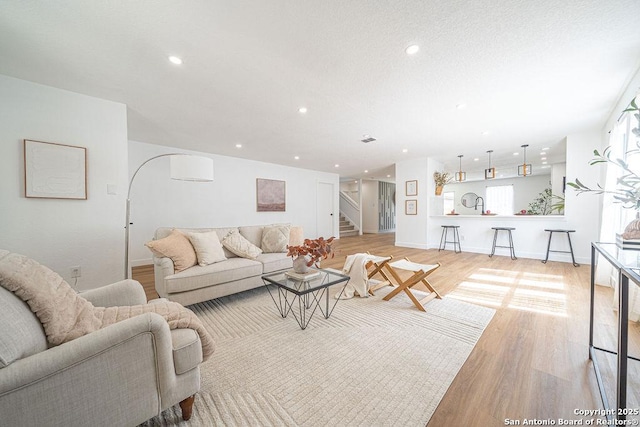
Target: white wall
{"points": [[583, 212], [230, 200], [411, 230], [64, 233]]}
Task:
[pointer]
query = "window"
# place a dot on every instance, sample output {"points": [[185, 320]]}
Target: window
{"points": [[500, 199], [449, 203]]}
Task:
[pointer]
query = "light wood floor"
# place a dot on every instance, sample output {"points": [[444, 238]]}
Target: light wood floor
{"points": [[532, 359]]}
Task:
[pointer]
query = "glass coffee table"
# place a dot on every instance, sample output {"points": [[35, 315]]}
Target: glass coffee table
{"points": [[302, 296]]}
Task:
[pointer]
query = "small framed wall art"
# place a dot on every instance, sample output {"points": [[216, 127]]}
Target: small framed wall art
{"points": [[54, 171], [411, 207], [271, 195], [411, 188]]}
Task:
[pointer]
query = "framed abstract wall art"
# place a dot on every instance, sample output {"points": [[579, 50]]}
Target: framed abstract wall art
{"points": [[411, 188], [411, 207], [271, 195], [54, 171]]}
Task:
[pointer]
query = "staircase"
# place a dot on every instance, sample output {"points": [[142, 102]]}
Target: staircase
{"points": [[347, 228]]}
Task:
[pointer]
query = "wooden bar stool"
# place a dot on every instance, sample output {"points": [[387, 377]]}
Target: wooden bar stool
{"points": [[420, 273], [570, 251], [495, 238], [455, 241]]}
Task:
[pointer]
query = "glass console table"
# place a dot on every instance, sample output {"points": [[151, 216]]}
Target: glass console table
{"points": [[626, 263]]}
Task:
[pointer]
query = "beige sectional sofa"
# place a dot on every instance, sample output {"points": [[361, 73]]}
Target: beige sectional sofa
{"points": [[234, 274]]}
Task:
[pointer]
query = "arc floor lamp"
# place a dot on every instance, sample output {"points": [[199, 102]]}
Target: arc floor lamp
{"points": [[184, 167]]}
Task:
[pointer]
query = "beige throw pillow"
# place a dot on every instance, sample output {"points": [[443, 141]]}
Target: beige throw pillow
{"points": [[208, 247], [240, 246], [177, 247], [275, 238]]}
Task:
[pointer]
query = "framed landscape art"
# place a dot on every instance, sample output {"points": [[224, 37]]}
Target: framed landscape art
{"points": [[271, 195]]}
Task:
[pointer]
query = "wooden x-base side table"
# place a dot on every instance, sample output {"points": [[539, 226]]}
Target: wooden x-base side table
{"points": [[420, 273]]}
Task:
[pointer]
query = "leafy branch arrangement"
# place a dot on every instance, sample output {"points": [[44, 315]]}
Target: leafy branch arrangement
{"points": [[316, 250], [442, 178], [627, 189], [544, 204]]}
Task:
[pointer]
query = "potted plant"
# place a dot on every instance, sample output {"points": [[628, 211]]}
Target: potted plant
{"points": [[441, 179], [544, 204], [627, 188], [311, 252]]}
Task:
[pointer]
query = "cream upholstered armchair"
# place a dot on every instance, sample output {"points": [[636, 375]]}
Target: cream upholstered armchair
{"points": [[120, 375]]}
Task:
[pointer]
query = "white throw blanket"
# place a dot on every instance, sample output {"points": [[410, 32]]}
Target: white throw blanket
{"points": [[355, 268], [65, 315]]}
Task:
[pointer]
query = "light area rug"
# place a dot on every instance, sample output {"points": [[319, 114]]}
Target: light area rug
{"points": [[372, 363]]}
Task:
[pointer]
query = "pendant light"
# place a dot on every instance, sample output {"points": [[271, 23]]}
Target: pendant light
{"points": [[460, 176], [490, 173], [525, 168]]}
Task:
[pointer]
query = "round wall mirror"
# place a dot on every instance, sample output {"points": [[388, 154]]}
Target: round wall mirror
{"points": [[469, 200]]}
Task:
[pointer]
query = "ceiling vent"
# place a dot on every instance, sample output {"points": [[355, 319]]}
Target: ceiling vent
{"points": [[367, 138]]}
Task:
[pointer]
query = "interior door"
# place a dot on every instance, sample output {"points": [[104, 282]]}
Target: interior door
{"points": [[324, 210]]}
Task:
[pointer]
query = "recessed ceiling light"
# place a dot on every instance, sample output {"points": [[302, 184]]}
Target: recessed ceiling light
{"points": [[545, 167], [461, 106], [404, 150], [296, 157], [175, 60], [336, 165], [476, 159], [356, 181], [302, 110], [238, 145], [543, 158], [412, 50], [388, 176], [545, 148], [543, 153], [366, 171], [544, 163], [516, 154]]}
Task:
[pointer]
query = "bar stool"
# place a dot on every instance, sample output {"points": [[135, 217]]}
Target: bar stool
{"points": [[551, 231], [455, 241], [495, 238]]}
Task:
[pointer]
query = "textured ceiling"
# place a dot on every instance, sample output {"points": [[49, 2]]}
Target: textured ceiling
{"points": [[530, 72]]}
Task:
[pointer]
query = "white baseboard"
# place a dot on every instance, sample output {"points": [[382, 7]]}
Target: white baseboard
{"points": [[411, 245], [505, 252], [140, 262]]}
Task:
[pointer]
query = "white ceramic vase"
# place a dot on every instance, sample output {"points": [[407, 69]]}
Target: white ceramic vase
{"points": [[300, 264]]}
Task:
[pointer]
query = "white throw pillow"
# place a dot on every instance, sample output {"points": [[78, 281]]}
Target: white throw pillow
{"points": [[275, 238], [240, 246], [208, 247]]}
